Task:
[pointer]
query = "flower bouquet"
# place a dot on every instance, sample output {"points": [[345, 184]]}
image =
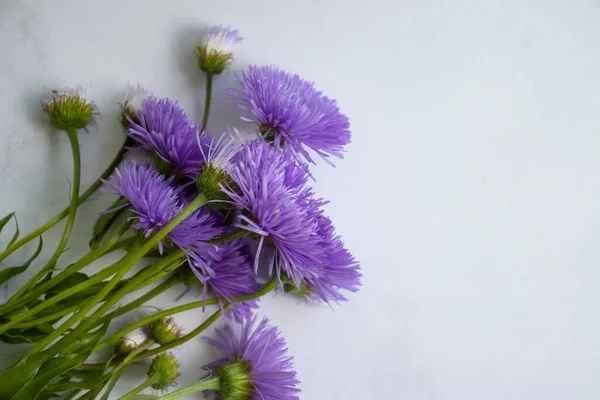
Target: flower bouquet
{"points": [[231, 216]]}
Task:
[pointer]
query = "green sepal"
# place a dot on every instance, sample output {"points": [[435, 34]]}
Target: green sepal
{"points": [[8, 273]]}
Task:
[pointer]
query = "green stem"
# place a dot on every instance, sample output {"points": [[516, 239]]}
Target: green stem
{"points": [[149, 382], [145, 397], [172, 281], [84, 261], [116, 373], [125, 265], [100, 297], [99, 277], [230, 236], [207, 384], [209, 79], [201, 328], [48, 318], [60, 216], [74, 141], [175, 310]]}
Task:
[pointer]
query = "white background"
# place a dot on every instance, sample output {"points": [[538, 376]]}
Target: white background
{"points": [[470, 192]]}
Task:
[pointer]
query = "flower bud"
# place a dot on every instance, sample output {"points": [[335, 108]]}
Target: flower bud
{"points": [[290, 287], [214, 52], [210, 180], [234, 381], [132, 341], [69, 110], [165, 369], [164, 330], [133, 103]]}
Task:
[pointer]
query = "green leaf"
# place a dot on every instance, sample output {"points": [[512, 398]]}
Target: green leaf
{"points": [[48, 372], [72, 280], [86, 341], [5, 220], [70, 357], [14, 378], [16, 235], [105, 221], [8, 273], [29, 335]]}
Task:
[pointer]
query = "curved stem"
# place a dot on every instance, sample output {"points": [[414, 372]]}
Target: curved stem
{"points": [[207, 384], [72, 133], [99, 277], [100, 297], [70, 270], [172, 281], [60, 216], [149, 382], [229, 236], [201, 328], [124, 266], [209, 79], [268, 287]]}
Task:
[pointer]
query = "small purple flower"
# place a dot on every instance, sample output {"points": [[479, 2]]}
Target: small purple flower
{"points": [[231, 276], [164, 128], [289, 109], [269, 187], [255, 364], [155, 201]]}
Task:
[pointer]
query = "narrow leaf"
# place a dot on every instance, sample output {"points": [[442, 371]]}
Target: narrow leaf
{"points": [[106, 220], [5, 220], [8, 273], [86, 341], [49, 371], [16, 235], [14, 378]]}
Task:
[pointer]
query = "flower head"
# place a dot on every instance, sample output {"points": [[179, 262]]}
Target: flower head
{"points": [[164, 331], [164, 129], [155, 201], [215, 51], [68, 109], [218, 157], [269, 191], [232, 275], [255, 364], [165, 369], [340, 268], [133, 103], [132, 341], [289, 110]]}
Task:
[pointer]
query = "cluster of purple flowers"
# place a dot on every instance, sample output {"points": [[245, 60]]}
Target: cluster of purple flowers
{"points": [[265, 198]]}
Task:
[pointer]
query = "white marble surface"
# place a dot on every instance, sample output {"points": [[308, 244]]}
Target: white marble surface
{"points": [[470, 193]]}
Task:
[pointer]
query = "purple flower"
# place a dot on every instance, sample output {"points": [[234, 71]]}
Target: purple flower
{"points": [[340, 269], [269, 187], [164, 128], [255, 364], [289, 109], [155, 201], [231, 276]]}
